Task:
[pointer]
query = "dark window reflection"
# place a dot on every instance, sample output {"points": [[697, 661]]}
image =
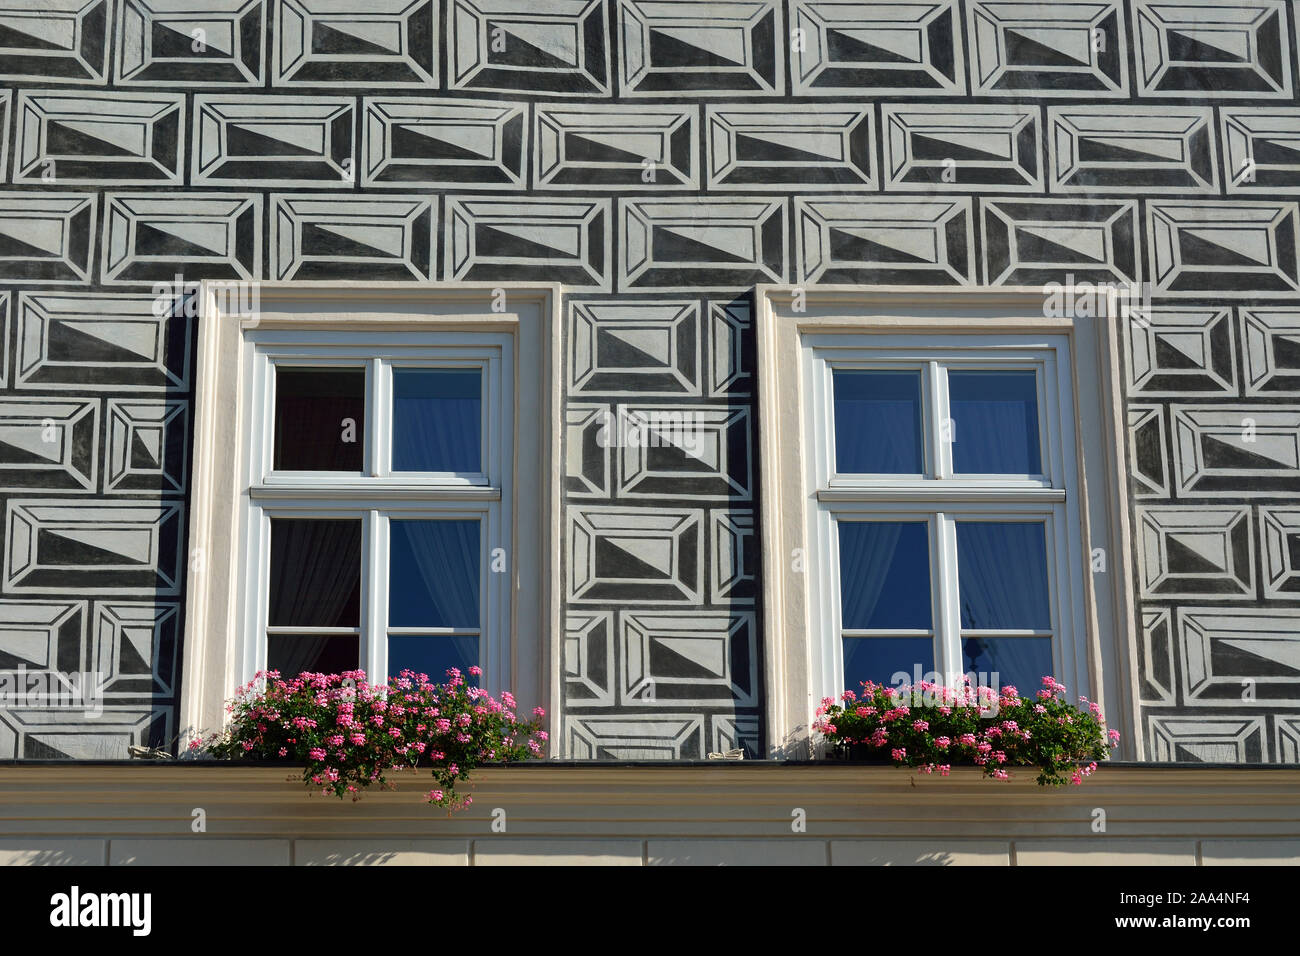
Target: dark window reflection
{"points": [[320, 419], [292, 654], [315, 573], [882, 659], [1022, 662]]}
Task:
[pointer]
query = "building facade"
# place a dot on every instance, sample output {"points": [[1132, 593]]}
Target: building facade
{"points": [[607, 218]]}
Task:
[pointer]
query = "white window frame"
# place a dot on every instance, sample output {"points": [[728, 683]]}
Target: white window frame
{"points": [[939, 497], [511, 332], [379, 494], [802, 334]]}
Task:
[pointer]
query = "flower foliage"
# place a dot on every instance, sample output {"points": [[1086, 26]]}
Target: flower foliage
{"points": [[352, 734], [931, 727]]}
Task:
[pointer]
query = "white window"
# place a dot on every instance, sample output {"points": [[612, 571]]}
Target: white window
{"points": [[379, 502], [376, 487], [943, 494], [945, 509]]}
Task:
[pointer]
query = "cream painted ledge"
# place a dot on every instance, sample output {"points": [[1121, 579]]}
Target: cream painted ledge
{"points": [[135, 813]]}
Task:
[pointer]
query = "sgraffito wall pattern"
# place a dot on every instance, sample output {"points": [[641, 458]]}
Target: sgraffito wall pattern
{"points": [[658, 157]]}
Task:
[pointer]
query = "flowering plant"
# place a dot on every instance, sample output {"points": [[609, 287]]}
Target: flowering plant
{"points": [[351, 734], [931, 727]]}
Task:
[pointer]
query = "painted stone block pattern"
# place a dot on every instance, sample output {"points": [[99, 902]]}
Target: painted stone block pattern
{"points": [[659, 158]]}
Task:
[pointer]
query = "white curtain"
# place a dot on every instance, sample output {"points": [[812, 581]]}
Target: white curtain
{"points": [[884, 574], [1002, 580], [1002, 574], [877, 422], [437, 420], [315, 573], [995, 423], [434, 574]]}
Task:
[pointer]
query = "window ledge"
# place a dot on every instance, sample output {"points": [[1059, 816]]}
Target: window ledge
{"points": [[424, 491], [697, 812], [947, 493]]}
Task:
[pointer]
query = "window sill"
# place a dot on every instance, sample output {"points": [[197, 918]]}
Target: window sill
{"points": [[959, 494], [755, 812], [425, 491]]}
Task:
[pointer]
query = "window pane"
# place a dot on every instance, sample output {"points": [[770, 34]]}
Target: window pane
{"points": [[320, 419], [1022, 662], [885, 574], [994, 422], [1002, 575], [877, 422], [315, 573], [433, 655], [878, 659], [433, 574], [437, 420], [291, 654]]}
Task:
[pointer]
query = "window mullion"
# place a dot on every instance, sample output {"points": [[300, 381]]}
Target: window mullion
{"points": [[378, 420], [939, 422], [948, 659], [374, 598]]}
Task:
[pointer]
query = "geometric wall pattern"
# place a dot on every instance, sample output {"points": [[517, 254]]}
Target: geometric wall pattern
{"points": [[1181, 352], [659, 158], [660, 528], [1231, 50], [977, 146], [1173, 154], [1259, 151], [381, 43], [1237, 249], [848, 49], [463, 144], [650, 149], [1058, 49], [681, 47], [163, 43], [324, 236]]}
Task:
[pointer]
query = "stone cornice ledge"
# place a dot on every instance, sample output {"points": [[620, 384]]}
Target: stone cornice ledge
{"points": [[739, 800]]}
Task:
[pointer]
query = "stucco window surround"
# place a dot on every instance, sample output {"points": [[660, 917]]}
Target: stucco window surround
{"points": [[512, 329], [796, 330]]}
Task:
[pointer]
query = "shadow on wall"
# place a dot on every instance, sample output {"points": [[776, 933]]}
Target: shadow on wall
{"points": [[40, 852], [91, 625]]}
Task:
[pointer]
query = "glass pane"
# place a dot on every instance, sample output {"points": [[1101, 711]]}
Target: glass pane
{"points": [[437, 422], [994, 422], [433, 574], [433, 655], [884, 574], [1002, 575], [315, 573], [882, 659], [877, 422], [292, 654], [320, 419], [1022, 662]]}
